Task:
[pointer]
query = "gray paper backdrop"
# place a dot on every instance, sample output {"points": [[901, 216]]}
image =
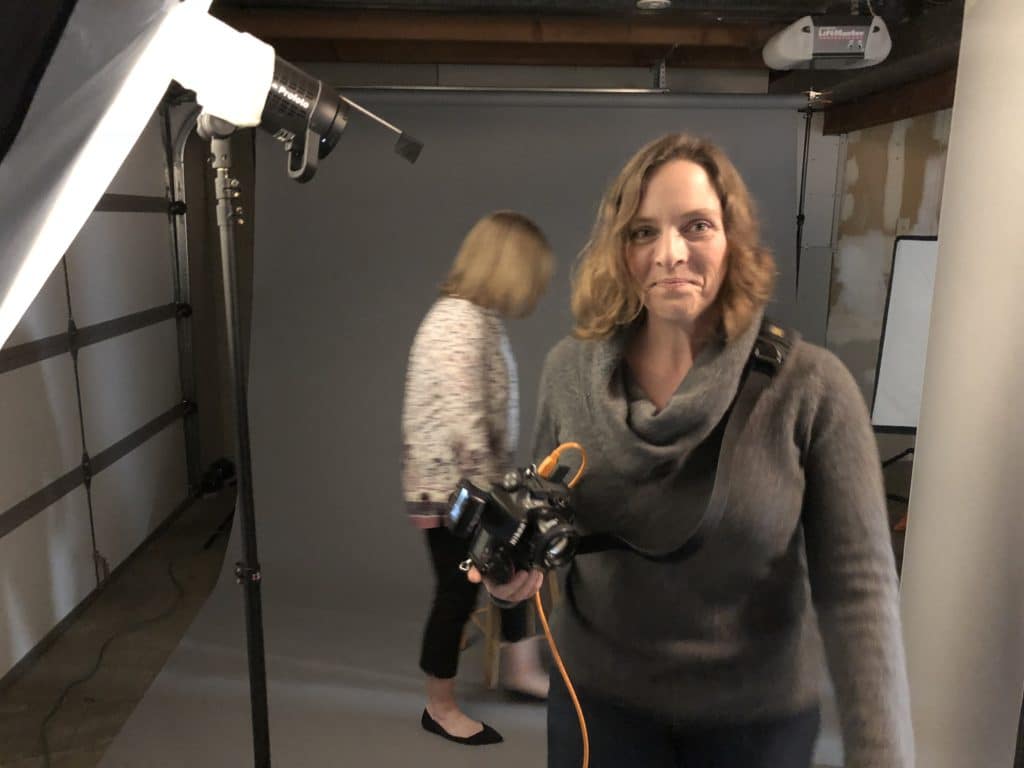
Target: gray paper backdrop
{"points": [[346, 266]]}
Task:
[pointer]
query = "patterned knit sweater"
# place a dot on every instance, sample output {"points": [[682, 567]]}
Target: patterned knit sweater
{"points": [[461, 412], [802, 553]]}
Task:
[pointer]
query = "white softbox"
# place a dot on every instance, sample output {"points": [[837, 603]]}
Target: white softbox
{"points": [[107, 74]]}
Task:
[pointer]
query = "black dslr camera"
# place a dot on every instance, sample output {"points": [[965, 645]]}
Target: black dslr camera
{"points": [[525, 522]]}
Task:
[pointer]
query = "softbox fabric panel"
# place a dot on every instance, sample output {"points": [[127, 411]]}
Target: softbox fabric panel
{"points": [[92, 103], [30, 33], [46, 558], [47, 315]]}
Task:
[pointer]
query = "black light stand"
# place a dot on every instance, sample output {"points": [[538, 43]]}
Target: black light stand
{"points": [[808, 113], [308, 118], [218, 132], [889, 462]]}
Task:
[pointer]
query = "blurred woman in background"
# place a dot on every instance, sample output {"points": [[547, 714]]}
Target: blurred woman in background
{"points": [[461, 419]]}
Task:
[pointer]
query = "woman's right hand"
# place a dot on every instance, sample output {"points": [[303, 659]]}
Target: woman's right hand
{"points": [[522, 586]]}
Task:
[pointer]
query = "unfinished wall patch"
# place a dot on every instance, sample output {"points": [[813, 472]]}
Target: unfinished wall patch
{"points": [[892, 186]]}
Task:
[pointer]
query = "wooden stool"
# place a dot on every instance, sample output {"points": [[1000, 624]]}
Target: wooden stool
{"points": [[487, 619]]}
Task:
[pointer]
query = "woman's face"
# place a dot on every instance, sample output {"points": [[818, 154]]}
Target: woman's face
{"points": [[676, 244]]}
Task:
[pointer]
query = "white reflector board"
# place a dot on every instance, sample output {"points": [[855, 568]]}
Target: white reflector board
{"points": [[901, 357]]}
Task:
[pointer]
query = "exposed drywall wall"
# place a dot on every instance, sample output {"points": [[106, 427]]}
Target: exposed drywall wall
{"points": [[892, 186]]}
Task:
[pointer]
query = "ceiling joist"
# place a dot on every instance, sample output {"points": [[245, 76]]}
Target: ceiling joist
{"points": [[918, 76], [411, 37]]}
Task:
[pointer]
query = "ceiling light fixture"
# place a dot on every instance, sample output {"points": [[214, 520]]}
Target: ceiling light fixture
{"points": [[653, 5]]}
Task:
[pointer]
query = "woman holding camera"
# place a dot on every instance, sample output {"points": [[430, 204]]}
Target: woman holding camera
{"points": [[711, 657], [460, 419]]}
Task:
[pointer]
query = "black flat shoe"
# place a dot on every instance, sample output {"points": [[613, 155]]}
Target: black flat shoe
{"points": [[486, 736]]}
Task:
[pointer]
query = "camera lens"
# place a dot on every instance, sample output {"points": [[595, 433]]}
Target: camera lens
{"points": [[557, 546]]}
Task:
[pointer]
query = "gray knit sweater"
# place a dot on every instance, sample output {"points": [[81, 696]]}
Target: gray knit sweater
{"points": [[802, 553]]}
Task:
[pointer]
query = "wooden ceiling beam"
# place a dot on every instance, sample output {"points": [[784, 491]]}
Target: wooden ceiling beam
{"points": [[429, 52], [920, 97], [408, 26]]}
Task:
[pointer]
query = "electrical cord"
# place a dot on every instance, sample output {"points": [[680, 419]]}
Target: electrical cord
{"points": [[131, 629], [544, 469], [565, 677]]}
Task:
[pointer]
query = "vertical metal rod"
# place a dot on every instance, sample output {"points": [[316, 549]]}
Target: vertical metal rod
{"points": [[248, 571], [174, 146], [96, 556], [808, 113]]}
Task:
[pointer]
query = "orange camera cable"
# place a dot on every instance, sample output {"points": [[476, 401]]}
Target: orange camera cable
{"points": [[544, 469]]}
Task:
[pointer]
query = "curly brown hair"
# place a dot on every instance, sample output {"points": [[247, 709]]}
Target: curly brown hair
{"points": [[604, 294]]}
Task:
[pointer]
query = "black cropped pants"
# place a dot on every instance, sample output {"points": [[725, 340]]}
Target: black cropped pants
{"points": [[454, 600]]}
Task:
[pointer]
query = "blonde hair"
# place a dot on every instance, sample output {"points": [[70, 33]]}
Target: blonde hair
{"points": [[504, 264], [604, 294]]}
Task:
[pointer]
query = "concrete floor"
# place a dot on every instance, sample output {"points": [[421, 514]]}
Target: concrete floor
{"points": [[94, 711]]}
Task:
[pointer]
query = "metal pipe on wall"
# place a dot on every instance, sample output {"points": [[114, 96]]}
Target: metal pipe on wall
{"points": [[176, 132]]}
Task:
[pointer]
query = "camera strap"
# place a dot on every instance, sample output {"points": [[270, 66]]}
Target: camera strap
{"points": [[766, 359]]}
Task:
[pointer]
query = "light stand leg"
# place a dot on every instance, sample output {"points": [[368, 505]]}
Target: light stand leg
{"points": [[247, 571]]}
